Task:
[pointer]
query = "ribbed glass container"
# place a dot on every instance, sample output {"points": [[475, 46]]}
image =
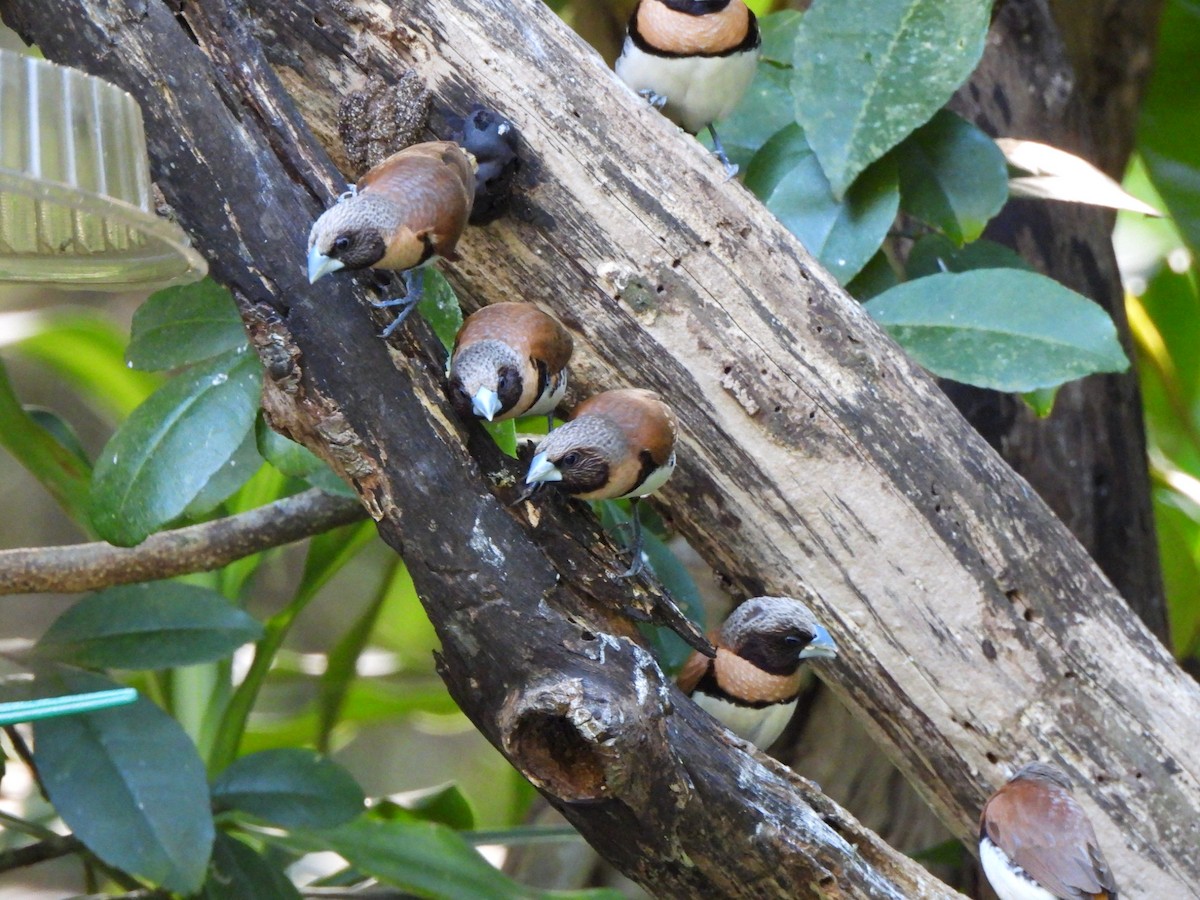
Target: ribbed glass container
{"points": [[76, 207]]}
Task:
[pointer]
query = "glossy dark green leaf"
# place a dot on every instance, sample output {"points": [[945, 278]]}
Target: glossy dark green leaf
{"points": [[228, 479], [952, 176], [179, 326], [1171, 118], [934, 253], [168, 449], [425, 859], [865, 80], [440, 308], [290, 458], [61, 430], [843, 235], [765, 110], [1041, 401], [1000, 328], [876, 277], [238, 872], [129, 783], [149, 626], [291, 787]]}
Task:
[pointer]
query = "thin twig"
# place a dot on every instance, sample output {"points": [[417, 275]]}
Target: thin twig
{"points": [[197, 548], [42, 851]]}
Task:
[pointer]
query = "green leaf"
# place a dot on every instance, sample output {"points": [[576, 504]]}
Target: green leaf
{"points": [[129, 783], [1171, 118], [1041, 401], [425, 859], [505, 435], [876, 277], [172, 444], [290, 458], [179, 326], [952, 176], [62, 431], [239, 872], [291, 787], [88, 352], [779, 32], [1000, 328], [439, 307], [445, 804], [158, 625], [866, 79], [228, 479], [842, 235], [934, 253], [765, 110]]}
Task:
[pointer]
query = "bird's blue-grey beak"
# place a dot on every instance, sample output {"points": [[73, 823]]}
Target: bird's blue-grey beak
{"points": [[485, 403], [542, 470], [820, 647], [319, 264]]}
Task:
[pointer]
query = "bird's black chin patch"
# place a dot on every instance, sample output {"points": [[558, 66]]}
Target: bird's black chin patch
{"points": [[696, 7]]}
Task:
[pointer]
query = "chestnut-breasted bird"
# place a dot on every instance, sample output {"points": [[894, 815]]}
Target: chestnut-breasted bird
{"points": [[1037, 843], [411, 207], [693, 58], [618, 444], [752, 685], [509, 360]]}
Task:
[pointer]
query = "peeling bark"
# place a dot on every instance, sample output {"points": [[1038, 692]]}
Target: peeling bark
{"points": [[816, 460]]}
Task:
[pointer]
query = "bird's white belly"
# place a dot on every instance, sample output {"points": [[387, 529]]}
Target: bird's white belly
{"points": [[761, 727], [654, 480], [699, 90], [1007, 884]]}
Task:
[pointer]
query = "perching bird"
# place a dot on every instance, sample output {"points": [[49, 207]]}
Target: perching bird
{"points": [[509, 360], [1037, 843], [752, 685], [494, 143], [693, 58], [411, 207], [618, 444]]}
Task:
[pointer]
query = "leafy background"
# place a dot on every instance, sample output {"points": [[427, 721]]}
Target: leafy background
{"points": [[271, 759]]}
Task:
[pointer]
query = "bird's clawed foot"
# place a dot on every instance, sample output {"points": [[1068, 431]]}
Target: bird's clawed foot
{"points": [[731, 169], [658, 101], [414, 290]]}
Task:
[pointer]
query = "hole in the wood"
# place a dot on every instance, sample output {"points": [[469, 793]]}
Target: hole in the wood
{"points": [[937, 508], [587, 636], [555, 756], [728, 369], [708, 243], [1137, 775], [820, 328], [989, 650], [779, 409], [675, 263], [1068, 674], [659, 289], [813, 414], [745, 232], [992, 758], [318, 21], [1030, 615], [1013, 595]]}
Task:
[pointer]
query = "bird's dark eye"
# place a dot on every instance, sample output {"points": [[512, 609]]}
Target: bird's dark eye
{"points": [[796, 640], [570, 459], [341, 244], [508, 380]]}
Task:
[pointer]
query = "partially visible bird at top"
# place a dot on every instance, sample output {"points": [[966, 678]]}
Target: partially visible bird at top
{"points": [[404, 212], [494, 142], [618, 444], [509, 360], [752, 685], [692, 58], [1037, 843]]}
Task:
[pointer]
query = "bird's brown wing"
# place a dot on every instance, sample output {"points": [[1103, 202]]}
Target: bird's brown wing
{"points": [[647, 422], [1045, 831], [525, 328], [433, 187]]}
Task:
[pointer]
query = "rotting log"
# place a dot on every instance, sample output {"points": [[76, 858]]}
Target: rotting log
{"points": [[816, 459], [534, 644]]}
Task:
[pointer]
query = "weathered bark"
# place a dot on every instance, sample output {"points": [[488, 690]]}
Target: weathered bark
{"points": [[534, 646], [815, 458], [1088, 459]]}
